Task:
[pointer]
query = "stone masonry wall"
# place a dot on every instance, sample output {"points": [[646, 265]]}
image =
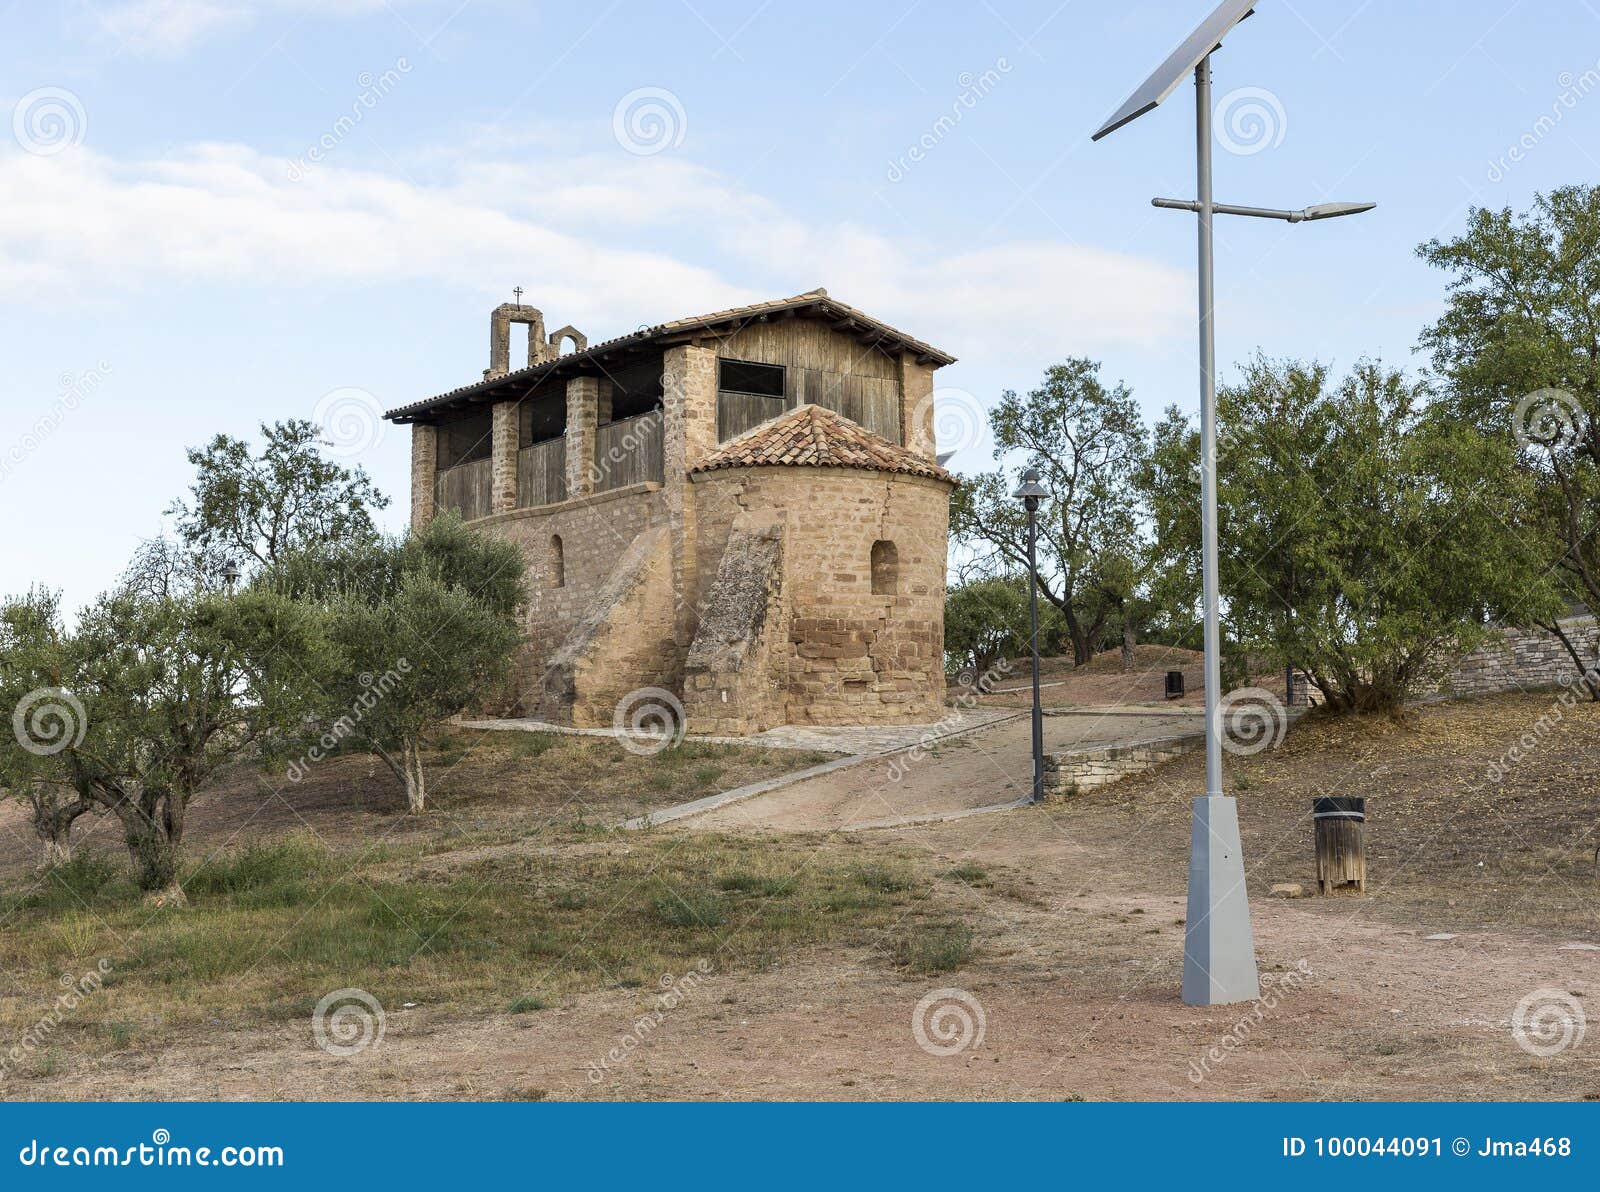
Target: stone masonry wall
{"points": [[848, 656], [1521, 659], [595, 532], [424, 469], [1084, 769]]}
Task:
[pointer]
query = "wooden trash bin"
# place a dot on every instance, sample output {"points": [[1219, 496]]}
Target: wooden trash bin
{"points": [[1341, 828]]}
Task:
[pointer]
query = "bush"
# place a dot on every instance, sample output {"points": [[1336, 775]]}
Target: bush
{"points": [[85, 875], [690, 908], [877, 877], [934, 948], [750, 883], [527, 1002], [280, 867]]}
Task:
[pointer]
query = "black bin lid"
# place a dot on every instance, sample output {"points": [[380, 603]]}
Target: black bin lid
{"points": [[1340, 807]]}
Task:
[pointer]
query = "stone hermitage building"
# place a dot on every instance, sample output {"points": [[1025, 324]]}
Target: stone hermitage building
{"points": [[743, 509]]}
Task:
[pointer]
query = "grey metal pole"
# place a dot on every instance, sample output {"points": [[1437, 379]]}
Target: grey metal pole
{"points": [[1033, 617], [1219, 956], [1208, 432]]}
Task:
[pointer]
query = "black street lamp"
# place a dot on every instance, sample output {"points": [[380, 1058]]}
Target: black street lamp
{"points": [[1030, 493]]}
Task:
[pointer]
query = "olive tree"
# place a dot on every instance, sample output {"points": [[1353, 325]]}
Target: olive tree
{"points": [[416, 629]]}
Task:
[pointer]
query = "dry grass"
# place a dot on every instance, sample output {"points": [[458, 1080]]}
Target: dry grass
{"points": [[1449, 847]]}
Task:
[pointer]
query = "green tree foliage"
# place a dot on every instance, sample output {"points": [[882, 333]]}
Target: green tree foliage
{"points": [[246, 506], [32, 667], [1359, 537], [1089, 444], [1519, 349], [986, 620], [141, 704], [416, 629]]}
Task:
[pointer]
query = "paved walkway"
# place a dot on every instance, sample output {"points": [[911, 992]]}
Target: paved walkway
{"points": [[852, 740], [944, 779]]}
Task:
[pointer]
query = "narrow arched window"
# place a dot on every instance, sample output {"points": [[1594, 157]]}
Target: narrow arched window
{"points": [[558, 564], [885, 568]]}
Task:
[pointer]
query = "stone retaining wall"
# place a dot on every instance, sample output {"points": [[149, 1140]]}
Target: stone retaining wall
{"points": [[1082, 769], [1521, 659]]}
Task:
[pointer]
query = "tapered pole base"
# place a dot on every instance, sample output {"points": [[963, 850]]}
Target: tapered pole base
{"points": [[1219, 954]]}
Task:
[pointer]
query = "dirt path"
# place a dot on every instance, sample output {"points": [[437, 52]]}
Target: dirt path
{"points": [[978, 769]]}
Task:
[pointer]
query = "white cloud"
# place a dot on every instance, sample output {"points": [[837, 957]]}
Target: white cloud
{"points": [[169, 27], [589, 229]]}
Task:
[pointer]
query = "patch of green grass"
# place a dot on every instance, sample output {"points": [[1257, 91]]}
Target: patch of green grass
{"points": [[972, 875], [83, 878], [882, 878], [934, 947], [661, 780], [571, 900], [531, 745], [526, 1003], [751, 883], [689, 908], [279, 873], [706, 775]]}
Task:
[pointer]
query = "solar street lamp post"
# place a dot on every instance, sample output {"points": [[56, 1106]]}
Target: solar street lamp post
{"points": [[1219, 962]]}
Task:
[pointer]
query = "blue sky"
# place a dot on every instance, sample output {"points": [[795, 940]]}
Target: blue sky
{"points": [[227, 211]]}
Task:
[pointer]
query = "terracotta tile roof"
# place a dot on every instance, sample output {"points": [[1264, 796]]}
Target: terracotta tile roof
{"points": [[814, 437], [813, 303]]}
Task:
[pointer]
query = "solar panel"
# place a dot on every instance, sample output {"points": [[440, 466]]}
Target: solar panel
{"points": [[1180, 65]]}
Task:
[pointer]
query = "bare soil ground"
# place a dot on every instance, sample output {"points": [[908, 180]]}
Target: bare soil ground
{"points": [[1075, 917]]}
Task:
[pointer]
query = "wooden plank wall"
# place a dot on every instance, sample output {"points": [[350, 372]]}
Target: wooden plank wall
{"points": [[465, 488], [738, 412], [542, 473], [629, 452], [822, 367]]}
